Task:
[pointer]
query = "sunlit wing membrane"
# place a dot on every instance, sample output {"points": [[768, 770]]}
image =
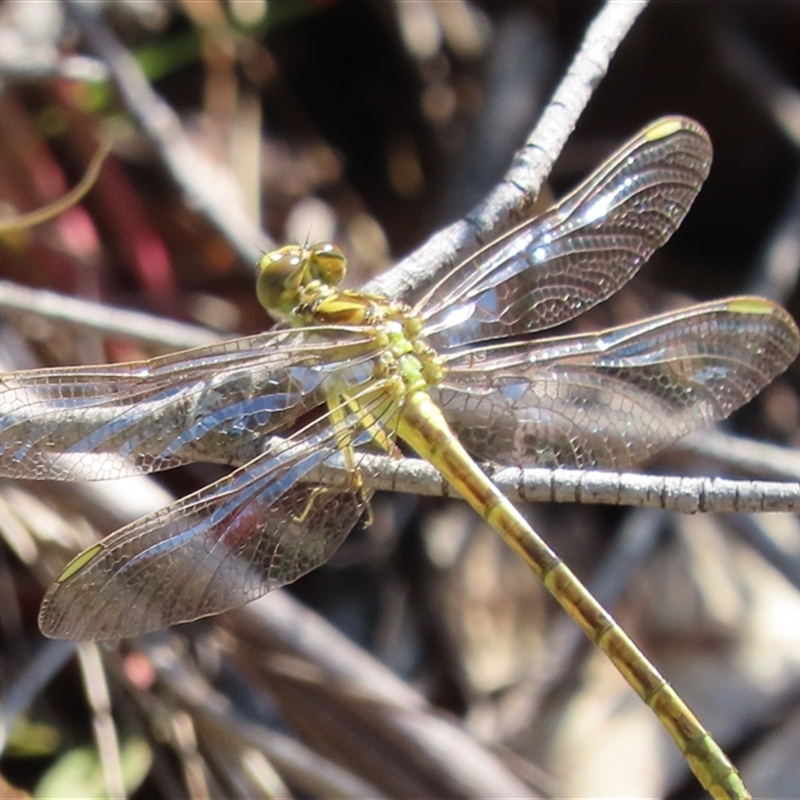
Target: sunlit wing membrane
{"points": [[262, 526], [558, 265], [215, 403], [611, 399]]}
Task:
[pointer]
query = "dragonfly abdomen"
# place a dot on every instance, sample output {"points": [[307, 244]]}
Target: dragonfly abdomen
{"points": [[424, 428]]}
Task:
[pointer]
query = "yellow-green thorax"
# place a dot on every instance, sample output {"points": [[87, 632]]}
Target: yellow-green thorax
{"points": [[300, 285]]}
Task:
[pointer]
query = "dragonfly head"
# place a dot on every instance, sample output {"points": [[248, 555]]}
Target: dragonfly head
{"points": [[284, 274]]}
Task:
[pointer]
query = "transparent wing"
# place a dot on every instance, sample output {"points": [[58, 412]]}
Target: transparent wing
{"points": [[565, 261], [262, 526], [611, 399], [215, 403]]}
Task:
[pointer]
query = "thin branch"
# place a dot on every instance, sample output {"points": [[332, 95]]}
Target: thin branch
{"points": [[367, 685], [97, 692], [759, 458], [459, 765], [75, 195], [208, 186], [45, 65], [86, 314], [687, 495], [510, 199], [668, 492]]}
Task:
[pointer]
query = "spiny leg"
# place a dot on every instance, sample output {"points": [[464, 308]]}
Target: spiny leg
{"points": [[344, 439], [370, 408]]}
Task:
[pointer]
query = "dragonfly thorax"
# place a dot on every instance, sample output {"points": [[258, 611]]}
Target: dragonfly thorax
{"points": [[418, 365], [299, 284]]}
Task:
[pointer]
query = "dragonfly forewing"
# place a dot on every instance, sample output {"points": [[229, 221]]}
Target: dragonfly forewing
{"points": [[558, 265], [612, 399], [217, 403]]}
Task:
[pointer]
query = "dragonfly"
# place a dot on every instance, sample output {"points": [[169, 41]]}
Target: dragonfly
{"points": [[458, 377]]}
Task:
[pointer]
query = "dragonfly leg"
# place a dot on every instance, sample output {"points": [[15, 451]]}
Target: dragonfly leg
{"points": [[354, 479], [371, 417], [316, 493]]}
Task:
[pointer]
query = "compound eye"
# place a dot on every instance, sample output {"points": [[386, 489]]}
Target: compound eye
{"points": [[329, 264], [280, 272]]}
